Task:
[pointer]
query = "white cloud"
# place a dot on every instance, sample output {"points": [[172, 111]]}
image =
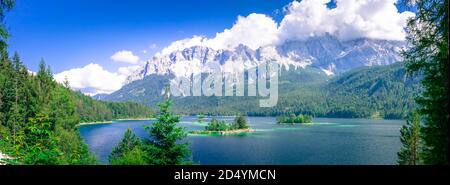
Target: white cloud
{"points": [[129, 70], [254, 31], [92, 79], [31, 72], [350, 19], [125, 56], [185, 43]]}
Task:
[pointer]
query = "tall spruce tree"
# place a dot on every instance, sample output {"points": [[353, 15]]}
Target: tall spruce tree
{"points": [[166, 145], [16, 113], [410, 138], [45, 84], [428, 56]]}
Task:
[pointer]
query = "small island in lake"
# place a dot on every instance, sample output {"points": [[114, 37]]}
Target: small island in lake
{"points": [[221, 127], [293, 119]]}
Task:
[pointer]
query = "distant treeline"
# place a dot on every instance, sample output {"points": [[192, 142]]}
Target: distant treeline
{"points": [[91, 110]]}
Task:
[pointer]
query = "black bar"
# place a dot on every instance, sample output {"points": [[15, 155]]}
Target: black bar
{"points": [[283, 174]]}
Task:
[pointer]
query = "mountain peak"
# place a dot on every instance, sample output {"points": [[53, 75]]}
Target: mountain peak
{"points": [[325, 52]]}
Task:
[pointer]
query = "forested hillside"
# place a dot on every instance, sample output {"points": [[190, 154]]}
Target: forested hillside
{"points": [[38, 116], [368, 92], [91, 110], [373, 92]]}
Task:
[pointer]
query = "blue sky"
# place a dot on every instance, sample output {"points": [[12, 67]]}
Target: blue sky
{"points": [[96, 44], [73, 33]]}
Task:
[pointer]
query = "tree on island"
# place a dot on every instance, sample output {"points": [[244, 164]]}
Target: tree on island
{"points": [[201, 118], [428, 56], [216, 125], [240, 122], [294, 119]]}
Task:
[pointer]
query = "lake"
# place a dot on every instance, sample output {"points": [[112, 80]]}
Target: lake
{"points": [[327, 141]]}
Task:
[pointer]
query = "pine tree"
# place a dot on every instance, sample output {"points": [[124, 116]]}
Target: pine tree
{"points": [[410, 138], [128, 151], [63, 108], [240, 122], [42, 146], [13, 122], [73, 149], [128, 143], [428, 56], [16, 117], [5, 6], [166, 146], [45, 83]]}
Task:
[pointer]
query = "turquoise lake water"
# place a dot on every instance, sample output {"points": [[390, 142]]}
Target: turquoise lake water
{"points": [[327, 141]]}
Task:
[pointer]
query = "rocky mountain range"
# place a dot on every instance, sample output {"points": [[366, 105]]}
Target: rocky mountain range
{"points": [[326, 53]]}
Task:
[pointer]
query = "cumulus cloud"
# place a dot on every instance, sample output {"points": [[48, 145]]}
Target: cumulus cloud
{"points": [[92, 79], [350, 19], [184, 43], [125, 56], [254, 31], [129, 70]]}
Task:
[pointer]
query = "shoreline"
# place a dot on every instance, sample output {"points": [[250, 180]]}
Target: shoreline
{"points": [[112, 121], [135, 119], [368, 118], [309, 123], [222, 133], [94, 123]]}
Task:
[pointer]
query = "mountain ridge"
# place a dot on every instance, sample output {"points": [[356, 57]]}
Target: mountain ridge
{"points": [[326, 53]]}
